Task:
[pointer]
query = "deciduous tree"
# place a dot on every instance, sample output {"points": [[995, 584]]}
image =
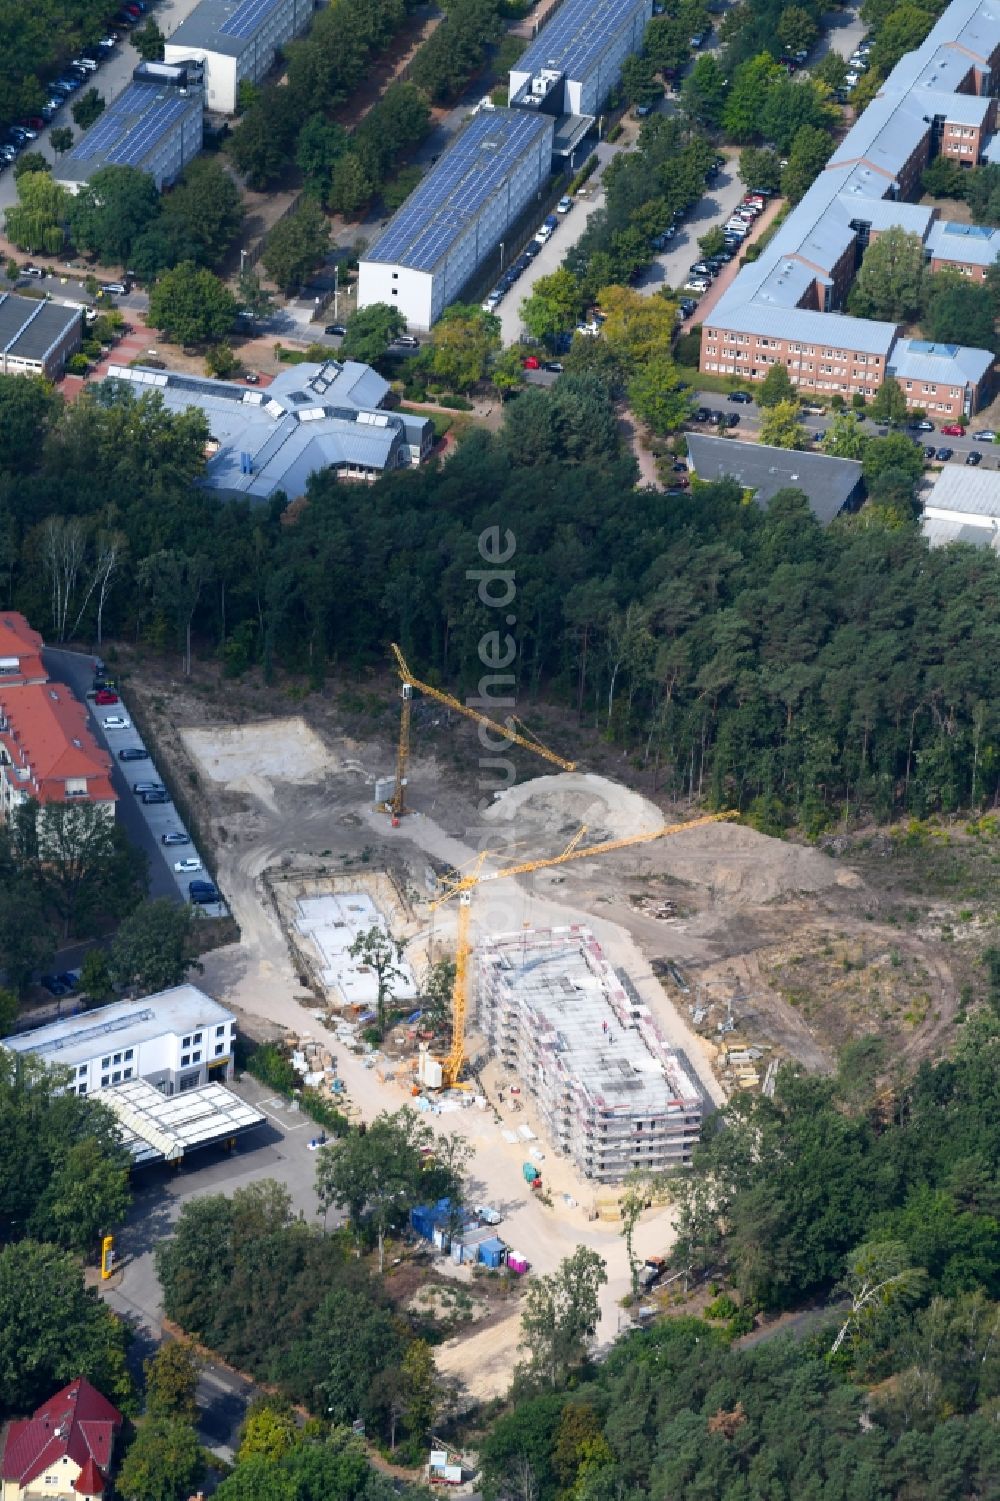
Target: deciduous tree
{"points": [[463, 341], [172, 1382], [780, 426], [164, 1462], [560, 1315], [297, 245], [189, 305], [554, 305], [152, 948], [371, 331]]}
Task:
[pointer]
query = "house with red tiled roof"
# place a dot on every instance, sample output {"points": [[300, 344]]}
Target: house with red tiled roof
{"points": [[20, 651], [64, 1449], [48, 753]]}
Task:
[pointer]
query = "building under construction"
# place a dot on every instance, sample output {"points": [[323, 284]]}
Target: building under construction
{"points": [[611, 1094]]}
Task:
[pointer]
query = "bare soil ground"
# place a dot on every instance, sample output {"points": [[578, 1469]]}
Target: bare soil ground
{"points": [[801, 948]]}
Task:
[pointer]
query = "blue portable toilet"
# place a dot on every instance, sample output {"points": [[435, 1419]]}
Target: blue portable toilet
{"points": [[493, 1252]]}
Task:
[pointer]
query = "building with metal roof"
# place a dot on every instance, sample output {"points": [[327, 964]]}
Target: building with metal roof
{"points": [[576, 59], [311, 417], [939, 100], [154, 126], [154, 1128], [37, 336], [453, 222], [963, 506], [176, 1040], [236, 40], [830, 485]]}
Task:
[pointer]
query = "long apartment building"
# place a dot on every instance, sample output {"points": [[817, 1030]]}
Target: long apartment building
{"points": [[574, 1034], [787, 306], [453, 222], [46, 749]]}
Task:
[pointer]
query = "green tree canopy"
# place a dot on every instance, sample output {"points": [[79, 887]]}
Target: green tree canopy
{"points": [[658, 396], [463, 342], [297, 245], [52, 1329], [164, 1462], [371, 331], [780, 426], [110, 211], [554, 305], [191, 305], [889, 284], [776, 386], [958, 311], [152, 949]]}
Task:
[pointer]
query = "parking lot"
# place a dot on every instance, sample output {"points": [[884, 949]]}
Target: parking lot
{"points": [[144, 823], [110, 79], [670, 268]]}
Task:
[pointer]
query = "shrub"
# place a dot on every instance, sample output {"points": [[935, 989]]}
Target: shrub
{"points": [[78, 364], [324, 1112], [269, 1064], [455, 403]]}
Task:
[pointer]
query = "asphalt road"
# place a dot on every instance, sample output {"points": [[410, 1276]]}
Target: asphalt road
{"points": [[672, 267], [109, 80]]}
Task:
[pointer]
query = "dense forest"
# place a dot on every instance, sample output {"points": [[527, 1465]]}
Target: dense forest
{"points": [[748, 657], [38, 38]]}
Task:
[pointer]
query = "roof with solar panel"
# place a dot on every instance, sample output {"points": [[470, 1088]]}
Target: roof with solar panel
{"points": [[130, 129], [451, 196], [225, 26], [573, 40]]}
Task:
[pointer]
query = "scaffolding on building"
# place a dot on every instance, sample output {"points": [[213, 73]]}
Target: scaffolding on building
{"points": [[612, 1095]]}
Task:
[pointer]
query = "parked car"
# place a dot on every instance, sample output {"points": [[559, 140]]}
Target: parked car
{"points": [[407, 341], [203, 892], [33, 122], [953, 430], [985, 435], [701, 414], [52, 984], [87, 64], [70, 978], [335, 330], [531, 362], [155, 797], [133, 753], [105, 696], [141, 787], [564, 205], [590, 330], [923, 426], [944, 454], [696, 284], [554, 367], [34, 271], [742, 397], [116, 722], [930, 451], [532, 249], [188, 865], [700, 268], [973, 458], [174, 836]]}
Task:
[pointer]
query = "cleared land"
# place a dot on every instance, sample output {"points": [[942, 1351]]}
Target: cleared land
{"points": [[800, 949]]}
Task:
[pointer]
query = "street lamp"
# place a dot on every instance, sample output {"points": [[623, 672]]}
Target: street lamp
{"points": [[501, 255]]}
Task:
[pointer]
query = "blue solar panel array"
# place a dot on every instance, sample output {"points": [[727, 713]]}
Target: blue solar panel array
{"points": [[105, 132], [246, 18], [449, 197], [148, 131], [576, 36], [131, 126]]}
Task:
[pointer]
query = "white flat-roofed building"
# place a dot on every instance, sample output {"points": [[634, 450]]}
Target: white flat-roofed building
{"points": [[456, 218], [155, 1129], [176, 1040], [236, 40], [576, 59], [155, 125]]}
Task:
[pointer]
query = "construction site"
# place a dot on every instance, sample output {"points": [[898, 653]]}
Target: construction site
{"points": [[615, 962], [573, 1032]]}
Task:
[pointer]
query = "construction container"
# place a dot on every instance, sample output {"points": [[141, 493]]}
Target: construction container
{"points": [[492, 1253]]}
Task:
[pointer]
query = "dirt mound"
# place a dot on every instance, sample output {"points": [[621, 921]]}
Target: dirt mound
{"points": [[740, 867], [558, 806]]}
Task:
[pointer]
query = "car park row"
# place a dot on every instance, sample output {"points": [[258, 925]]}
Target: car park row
{"points": [[15, 137], [158, 812]]}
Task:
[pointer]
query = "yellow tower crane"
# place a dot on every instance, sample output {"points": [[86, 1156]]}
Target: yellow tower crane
{"points": [[511, 730], [463, 887]]}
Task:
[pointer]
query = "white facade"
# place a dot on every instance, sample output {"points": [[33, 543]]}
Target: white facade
{"points": [[176, 1040], [231, 56], [442, 235]]}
